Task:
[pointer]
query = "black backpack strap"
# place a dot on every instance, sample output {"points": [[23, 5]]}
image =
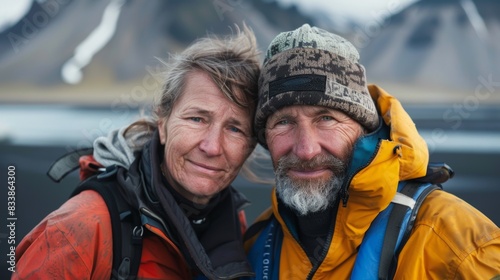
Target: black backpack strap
{"points": [[67, 163], [257, 227], [390, 249], [125, 223]]}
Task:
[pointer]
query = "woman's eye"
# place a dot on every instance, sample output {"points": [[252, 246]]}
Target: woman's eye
{"points": [[282, 122]]}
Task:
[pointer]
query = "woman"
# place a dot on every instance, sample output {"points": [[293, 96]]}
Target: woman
{"points": [[176, 169]]}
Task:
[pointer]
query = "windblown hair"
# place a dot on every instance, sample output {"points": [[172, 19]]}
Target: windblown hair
{"points": [[232, 63]]}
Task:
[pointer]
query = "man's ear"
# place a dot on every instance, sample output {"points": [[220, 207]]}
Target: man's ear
{"points": [[162, 132]]}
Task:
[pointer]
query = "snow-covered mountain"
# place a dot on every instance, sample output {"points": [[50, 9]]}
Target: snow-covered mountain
{"points": [[101, 43], [438, 43], [108, 48]]}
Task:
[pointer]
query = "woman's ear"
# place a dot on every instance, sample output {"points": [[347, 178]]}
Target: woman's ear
{"points": [[162, 132]]}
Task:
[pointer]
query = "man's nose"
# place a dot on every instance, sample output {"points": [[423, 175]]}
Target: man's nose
{"points": [[306, 145]]}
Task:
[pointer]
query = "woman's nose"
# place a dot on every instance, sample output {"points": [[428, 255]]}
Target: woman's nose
{"points": [[211, 144]]}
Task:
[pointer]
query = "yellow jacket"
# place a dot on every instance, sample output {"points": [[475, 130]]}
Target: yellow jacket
{"points": [[450, 239]]}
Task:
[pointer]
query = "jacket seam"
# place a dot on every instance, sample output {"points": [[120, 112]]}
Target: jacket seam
{"points": [[74, 249], [469, 254], [453, 272]]}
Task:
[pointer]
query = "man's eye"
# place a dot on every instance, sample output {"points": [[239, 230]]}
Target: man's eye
{"points": [[279, 123], [195, 119], [327, 118], [235, 129]]}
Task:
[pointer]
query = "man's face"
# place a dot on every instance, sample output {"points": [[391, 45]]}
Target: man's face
{"points": [[311, 147]]}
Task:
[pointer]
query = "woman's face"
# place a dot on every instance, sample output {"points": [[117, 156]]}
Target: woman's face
{"points": [[207, 138]]}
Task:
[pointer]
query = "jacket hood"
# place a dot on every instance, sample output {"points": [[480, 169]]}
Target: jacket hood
{"points": [[413, 155], [401, 154], [115, 149]]}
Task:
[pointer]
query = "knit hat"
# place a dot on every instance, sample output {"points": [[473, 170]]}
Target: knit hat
{"points": [[311, 66]]}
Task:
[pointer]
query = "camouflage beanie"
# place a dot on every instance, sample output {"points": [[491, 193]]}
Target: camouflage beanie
{"points": [[311, 66]]}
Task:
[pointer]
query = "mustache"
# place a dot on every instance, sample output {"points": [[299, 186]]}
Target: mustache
{"points": [[332, 162]]}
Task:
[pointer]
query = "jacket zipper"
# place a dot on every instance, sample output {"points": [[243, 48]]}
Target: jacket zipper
{"points": [[344, 192], [325, 248]]}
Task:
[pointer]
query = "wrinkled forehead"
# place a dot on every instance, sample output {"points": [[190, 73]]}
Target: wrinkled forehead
{"points": [[306, 110]]}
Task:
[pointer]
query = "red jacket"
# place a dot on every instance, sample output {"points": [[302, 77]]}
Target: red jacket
{"points": [[75, 242]]}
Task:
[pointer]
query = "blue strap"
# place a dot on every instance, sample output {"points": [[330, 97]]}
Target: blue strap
{"points": [[368, 261], [265, 253]]}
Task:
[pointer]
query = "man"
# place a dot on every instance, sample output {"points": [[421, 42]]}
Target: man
{"points": [[340, 149]]}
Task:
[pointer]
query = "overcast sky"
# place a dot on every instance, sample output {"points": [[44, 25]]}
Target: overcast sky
{"points": [[12, 10], [358, 9]]}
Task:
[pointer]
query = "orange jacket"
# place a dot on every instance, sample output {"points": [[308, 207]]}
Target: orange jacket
{"points": [[450, 239], [75, 241]]}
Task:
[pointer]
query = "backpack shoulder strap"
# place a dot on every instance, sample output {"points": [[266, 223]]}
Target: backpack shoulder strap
{"points": [[264, 255], [125, 224], [261, 222], [378, 252], [401, 219]]}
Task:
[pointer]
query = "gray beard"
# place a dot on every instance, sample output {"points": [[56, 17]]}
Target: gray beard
{"points": [[309, 196]]}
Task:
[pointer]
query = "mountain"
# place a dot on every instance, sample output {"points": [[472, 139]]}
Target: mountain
{"points": [[439, 47], [447, 44], [40, 57]]}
